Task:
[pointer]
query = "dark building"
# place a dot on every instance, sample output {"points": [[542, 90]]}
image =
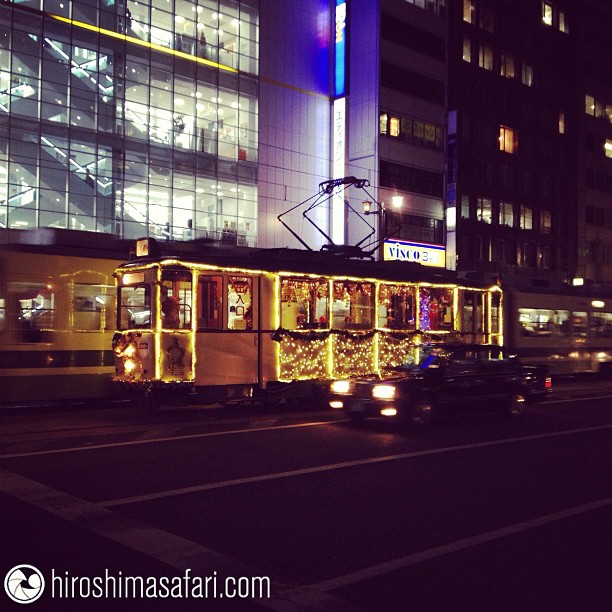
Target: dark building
{"points": [[530, 140]]}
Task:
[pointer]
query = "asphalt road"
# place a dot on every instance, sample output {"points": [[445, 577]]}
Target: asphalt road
{"points": [[477, 514]]}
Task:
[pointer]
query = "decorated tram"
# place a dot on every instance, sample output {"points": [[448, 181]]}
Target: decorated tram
{"points": [[242, 323]]}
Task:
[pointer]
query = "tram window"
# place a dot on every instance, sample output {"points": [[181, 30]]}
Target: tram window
{"points": [[353, 305], [579, 324], [304, 303], [495, 313], [473, 312], [542, 322], [134, 306], [210, 307], [600, 324], [396, 307], [36, 310], [239, 302], [435, 309], [176, 299], [92, 308]]}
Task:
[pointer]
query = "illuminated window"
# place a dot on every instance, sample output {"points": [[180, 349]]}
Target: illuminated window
{"points": [[304, 303], [484, 211], [134, 306], [353, 305], [383, 123], [176, 299], [506, 214], [527, 74], [589, 105], [563, 27], [210, 302], [561, 122], [545, 222], [508, 139], [485, 57], [547, 13], [526, 220], [506, 68], [239, 296], [435, 309], [544, 256], [608, 147], [396, 307], [469, 11], [467, 49], [93, 307], [394, 127]]}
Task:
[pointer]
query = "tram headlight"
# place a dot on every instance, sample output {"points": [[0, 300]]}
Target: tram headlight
{"points": [[383, 392], [340, 387]]}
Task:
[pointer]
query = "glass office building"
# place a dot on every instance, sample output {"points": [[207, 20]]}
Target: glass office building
{"points": [[130, 117]]}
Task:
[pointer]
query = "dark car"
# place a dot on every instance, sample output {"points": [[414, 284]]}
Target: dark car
{"points": [[445, 378]]}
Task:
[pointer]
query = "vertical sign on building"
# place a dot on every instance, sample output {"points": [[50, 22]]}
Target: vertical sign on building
{"points": [[339, 120], [451, 193]]}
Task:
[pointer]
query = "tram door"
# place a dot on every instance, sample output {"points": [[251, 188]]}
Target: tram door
{"points": [[226, 339]]}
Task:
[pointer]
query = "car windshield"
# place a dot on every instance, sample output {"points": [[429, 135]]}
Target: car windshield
{"points": [[425, 357]]}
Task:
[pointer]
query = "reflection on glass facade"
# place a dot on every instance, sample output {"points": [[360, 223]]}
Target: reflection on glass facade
{"points": [[132, 118]]}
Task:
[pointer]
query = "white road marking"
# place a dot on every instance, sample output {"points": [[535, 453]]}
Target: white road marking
{"points": [[213, 434], [447, 549], [343, 465], [175, 551]]}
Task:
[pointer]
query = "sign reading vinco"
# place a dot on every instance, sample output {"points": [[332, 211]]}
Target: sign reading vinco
{"points": [[426, 254]]}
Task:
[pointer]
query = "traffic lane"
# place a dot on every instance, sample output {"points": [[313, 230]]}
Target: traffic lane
{"points": [[561, 566], [25, 432], [22, 432], [141, 467], [317, 526]]}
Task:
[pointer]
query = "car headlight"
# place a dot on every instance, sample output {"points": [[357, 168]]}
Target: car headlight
{"points": [[340, 386], [384, 392]]}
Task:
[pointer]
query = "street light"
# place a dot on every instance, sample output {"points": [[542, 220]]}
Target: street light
{"points": [[396, 202]]}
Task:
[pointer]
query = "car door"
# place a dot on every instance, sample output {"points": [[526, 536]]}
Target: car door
{"points": [[461, 384]]}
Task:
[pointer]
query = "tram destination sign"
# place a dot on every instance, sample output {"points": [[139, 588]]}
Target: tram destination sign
{"points": [[418, 252]]}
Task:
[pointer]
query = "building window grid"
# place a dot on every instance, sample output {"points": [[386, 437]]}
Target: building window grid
{"points": [[105, 200], [411, 130]]}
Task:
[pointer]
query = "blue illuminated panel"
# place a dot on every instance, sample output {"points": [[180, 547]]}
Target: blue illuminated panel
{"points": [[340, 46]]}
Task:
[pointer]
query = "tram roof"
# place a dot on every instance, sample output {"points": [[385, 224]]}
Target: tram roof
{"points": [[299, 261]]}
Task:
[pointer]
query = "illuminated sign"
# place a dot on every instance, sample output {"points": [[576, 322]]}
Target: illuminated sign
{"points": [[426, 254], [338, 143], [340, 46]]}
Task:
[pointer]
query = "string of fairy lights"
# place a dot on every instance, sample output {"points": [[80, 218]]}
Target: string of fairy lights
{"points": [[332, 327]]}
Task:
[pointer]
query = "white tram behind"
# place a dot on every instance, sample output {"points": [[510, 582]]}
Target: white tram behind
{"points": [[568, 331], [243, 322]]}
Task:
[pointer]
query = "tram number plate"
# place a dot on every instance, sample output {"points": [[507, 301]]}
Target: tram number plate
{"points": [[359, 406]]}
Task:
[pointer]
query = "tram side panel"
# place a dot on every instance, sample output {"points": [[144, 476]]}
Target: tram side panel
{"points": [[226, 333]]}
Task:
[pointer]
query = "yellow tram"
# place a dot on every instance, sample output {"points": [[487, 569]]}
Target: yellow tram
{"points": [[57, 316], [243, 322]]}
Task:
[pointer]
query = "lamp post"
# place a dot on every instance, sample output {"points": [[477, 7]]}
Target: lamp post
{"points": [[370, 208]]}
